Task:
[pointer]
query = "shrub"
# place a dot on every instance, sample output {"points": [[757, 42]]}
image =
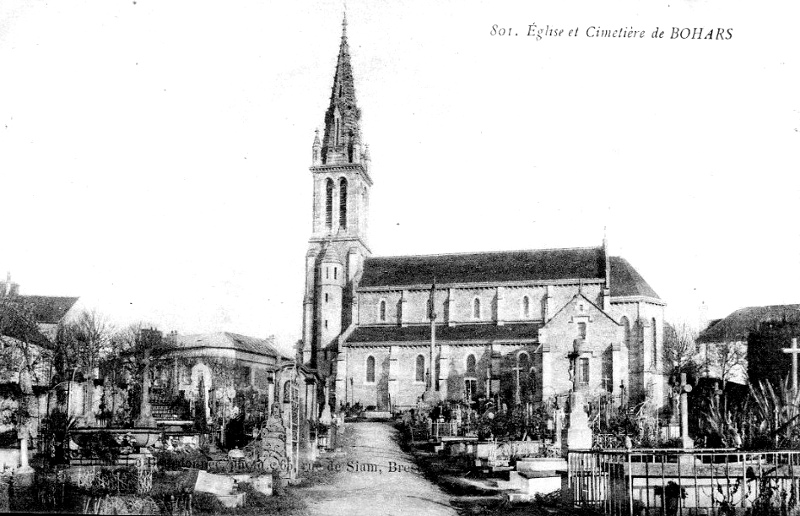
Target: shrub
{"points": [[207, 503], [100, 445]]}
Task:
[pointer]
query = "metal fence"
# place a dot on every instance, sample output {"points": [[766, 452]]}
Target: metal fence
{"points": [[685, 482], [449, 429]]}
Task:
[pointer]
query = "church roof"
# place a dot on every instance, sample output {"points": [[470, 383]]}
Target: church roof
{"points": [[738, 325], [503, 266], [330, 256], [625, 281], [366, 335], [227, 340]]}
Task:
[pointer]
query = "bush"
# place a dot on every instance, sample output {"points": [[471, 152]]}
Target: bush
{"points": [[100, 445], [207, 503], [253, 498]]}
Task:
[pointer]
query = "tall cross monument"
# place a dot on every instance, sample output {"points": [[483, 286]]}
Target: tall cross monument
{"points": [[794, 350]]}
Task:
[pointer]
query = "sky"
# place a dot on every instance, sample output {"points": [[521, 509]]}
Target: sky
{"points": [[154, 155]]}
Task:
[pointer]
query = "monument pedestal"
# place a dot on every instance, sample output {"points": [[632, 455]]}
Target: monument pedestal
{"points": [[431, 397], [579, 435]]}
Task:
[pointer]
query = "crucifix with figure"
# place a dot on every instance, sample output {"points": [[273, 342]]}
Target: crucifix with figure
{"points": [[794, 350]]}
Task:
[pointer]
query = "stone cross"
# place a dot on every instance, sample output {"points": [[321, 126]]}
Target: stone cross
{"points": [[146, 419], [517, 396], [794, 350], [605, 381]]}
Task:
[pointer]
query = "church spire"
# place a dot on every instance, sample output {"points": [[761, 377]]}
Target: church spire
{"points": [[341, 142]]}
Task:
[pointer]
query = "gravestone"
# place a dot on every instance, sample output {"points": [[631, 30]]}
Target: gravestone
{"points": [[273, 442], [220, 485]]}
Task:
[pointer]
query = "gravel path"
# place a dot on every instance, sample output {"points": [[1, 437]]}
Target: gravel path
{"points": [[376, 477]]}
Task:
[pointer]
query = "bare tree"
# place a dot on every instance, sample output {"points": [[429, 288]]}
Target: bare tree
{"points": [[729, 361], [680, 349], [82, 344]]}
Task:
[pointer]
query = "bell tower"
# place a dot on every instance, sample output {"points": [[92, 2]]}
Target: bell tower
{"points": [[340, 171]]}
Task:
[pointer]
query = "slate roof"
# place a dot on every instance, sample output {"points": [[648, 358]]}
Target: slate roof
{"points": [[625, 281], [49, 309], [738, 325], [541, 264], [504, 266], [466, 332], [227, 340]]}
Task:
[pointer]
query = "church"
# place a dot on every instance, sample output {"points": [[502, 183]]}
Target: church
{"points": [[383, 330]]}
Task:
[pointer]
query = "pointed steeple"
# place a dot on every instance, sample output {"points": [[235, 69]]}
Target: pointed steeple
{"points": [[342, 139]]}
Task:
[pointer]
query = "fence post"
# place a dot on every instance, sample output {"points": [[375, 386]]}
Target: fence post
{"points": [[629, 472]]}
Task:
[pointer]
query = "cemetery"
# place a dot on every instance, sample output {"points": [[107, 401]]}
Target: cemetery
{"points": [[739, 458], [222, 422], [161, 425]]}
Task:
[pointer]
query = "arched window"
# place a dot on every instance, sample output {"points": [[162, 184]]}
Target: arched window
{"points": [[370, 369], [476, 308], [382, 310], [419, 372], [626, 336], [329, 202], [471, 365], [287, 395], [343, 203], [526, 307], [654, 351], [336, 130]]}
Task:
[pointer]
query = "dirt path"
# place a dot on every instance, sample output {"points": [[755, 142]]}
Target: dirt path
{"points": [[376, 477]]}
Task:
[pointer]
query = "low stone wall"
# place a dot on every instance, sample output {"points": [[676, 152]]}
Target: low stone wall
{"points": [[509, 449]]}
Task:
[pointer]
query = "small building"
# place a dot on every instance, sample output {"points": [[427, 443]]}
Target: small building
{"points": [[27, 322], [734, 334], [237, 379]]}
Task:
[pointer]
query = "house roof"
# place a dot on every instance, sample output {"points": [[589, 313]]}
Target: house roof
{"points": [[738, 325], [422, 333], [531, 265], [227, 340], [49, 309]]}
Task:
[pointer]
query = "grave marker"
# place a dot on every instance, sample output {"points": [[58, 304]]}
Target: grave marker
{"points": [[794, 350]]}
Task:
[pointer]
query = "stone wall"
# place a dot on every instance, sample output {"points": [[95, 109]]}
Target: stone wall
{"points": [[558, 338], [410, 306]]}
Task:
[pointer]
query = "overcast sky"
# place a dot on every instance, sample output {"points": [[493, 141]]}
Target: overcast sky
{"points": [[154, 155]]}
